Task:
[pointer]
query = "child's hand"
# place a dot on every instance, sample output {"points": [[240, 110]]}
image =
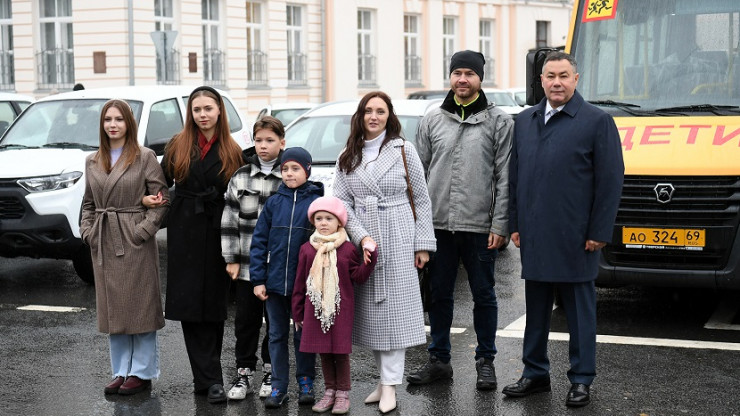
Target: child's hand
{"points": [[153, 201], [368, 246], [260, 292], [233, 270], [298, 325]]}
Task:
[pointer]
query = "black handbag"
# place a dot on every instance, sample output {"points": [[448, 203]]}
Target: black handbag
{"points": [[424, 286]]}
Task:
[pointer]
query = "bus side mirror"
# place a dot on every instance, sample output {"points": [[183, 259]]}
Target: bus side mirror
{"points": [[535, 61]]}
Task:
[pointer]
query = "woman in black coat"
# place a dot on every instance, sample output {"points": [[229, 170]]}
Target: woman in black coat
{"points": [[200, 160]]}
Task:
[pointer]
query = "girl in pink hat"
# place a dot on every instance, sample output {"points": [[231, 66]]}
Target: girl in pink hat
{"points": [[323, 298]]}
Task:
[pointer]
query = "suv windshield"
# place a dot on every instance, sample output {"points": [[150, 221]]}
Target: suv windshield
{"points": [[662, 53], [63, 123], [500, 98], [325, 137]]}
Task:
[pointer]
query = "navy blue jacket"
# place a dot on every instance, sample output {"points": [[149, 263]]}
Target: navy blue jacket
{"points": [[565, 181], [282, 228]]}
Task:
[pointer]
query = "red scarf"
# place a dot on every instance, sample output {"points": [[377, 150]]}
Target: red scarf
{"points": [[204, 144]]}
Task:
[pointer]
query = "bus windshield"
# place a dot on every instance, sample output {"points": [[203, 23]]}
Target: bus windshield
{"points": [[661, 53]]}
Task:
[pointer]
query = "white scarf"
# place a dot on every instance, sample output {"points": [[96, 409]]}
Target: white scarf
{"points": [[323, 278]]}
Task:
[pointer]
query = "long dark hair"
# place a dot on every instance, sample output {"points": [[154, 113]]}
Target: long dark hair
{"points": [[183, 148], [130, 144], [351, 158]]}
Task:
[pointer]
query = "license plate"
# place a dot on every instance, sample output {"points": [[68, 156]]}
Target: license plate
{"points": [[664, 237]]}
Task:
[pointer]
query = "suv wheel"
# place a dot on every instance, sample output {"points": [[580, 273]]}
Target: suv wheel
{"points": [[82, 262]]}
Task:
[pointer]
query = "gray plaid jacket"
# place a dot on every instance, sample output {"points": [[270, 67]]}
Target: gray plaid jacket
{"points": [[248, 190]]}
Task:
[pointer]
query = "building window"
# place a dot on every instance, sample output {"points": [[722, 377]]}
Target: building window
{"points": [[213, 56], [168, 58], [486, 48], [56, 59], [7, 71], [412, 60], [543, 29], [256, 57], [366, 58], [449, 31], [296, 56]]}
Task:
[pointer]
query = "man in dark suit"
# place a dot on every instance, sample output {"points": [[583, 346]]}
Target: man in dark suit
{"points": [[564, 197]]}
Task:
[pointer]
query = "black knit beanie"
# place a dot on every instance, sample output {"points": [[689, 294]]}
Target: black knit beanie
{"points": [[468, 59], [298, 155]]}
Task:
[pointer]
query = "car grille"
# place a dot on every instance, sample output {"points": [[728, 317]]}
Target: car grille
{"points": [[708, 202], [11, 207]]}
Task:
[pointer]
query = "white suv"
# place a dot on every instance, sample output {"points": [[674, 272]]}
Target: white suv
{"points": [[42, 164]]}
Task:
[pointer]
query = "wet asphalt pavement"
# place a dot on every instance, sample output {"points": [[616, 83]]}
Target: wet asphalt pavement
{"points": [[56, 363]]}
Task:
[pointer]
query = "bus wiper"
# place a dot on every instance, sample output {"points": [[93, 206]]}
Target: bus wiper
{"points": [[697, 108], [72, 145], [16, 146], [613, 103], [626, 107]]}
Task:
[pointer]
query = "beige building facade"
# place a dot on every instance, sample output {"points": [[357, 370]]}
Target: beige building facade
{"points": [[269, 51]]}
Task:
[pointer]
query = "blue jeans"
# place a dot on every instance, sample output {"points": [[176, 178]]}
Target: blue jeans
{"points": [[479, 261], [278, 312], [135, 355]]}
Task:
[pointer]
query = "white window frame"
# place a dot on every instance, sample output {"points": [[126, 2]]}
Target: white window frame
{"points": [[449, 42], [164, 20], [486, 42], [365, 47], [412, 58], [56, 62], [7, 62], [544, 26], [296, 44], [256, 56], [213, 54]]}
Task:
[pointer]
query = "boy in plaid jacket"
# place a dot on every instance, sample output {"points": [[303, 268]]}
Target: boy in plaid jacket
{"points": [[248, 190]]}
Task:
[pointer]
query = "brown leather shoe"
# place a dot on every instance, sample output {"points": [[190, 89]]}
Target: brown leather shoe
{"points": [[133, 385], [113, 386]]}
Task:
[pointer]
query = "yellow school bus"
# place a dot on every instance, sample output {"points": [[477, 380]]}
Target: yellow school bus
{"points": [[668, 71]]}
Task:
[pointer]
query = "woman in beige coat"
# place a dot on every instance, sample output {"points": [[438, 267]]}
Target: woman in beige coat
{"points": [[121, 234]]}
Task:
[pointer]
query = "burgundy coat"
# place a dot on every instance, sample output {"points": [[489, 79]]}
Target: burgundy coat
{"points": [[351, 269]]}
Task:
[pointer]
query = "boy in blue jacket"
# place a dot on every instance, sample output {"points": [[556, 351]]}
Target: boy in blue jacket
{"points": [[282, 228]]}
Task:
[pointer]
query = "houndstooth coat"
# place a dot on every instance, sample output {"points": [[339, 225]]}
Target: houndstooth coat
{"points": [[388, 310]]}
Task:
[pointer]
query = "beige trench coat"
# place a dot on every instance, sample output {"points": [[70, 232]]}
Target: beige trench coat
{"points": [[121, 234]]}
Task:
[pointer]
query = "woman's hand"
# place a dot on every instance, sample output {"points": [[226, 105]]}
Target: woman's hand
{"points": [[260, 292], [153, 201], [233, 270], [298, 325], [368, 246], [421, 258]]}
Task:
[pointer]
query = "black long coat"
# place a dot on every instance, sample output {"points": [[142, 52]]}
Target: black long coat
{"points": [[197, 282], [565, 181]]}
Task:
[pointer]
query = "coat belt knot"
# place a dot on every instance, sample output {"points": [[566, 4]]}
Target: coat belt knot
{"points": [[111, 214]]}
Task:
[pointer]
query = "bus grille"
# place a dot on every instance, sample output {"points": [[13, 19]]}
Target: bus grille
{"points": [[707, 202]]}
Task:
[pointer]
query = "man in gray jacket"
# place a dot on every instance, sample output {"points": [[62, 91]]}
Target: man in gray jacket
{"points": [[465, 147]]}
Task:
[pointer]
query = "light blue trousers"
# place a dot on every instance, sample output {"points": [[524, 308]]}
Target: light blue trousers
{"points": [[135, 355]]}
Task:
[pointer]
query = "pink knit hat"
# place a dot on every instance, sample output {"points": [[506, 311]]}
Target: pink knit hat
{"points": [[330, 204]]}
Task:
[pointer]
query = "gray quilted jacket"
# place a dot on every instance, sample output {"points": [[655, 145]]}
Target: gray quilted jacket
{"points": [[467, 167]]}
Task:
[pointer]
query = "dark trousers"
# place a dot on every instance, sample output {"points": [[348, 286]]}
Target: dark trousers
{"points": [[479, 261], [247, 326], [579, 304], [335, 368], [278, 308], [203, 341]]}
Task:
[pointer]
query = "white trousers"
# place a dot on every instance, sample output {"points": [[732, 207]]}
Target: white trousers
{"points": [[391, 365]]}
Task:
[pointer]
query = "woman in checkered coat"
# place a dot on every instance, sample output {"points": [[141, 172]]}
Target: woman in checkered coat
{"points": [[371, 181]]}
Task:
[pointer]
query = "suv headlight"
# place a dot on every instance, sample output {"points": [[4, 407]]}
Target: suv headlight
{"points": [[50, 183]]}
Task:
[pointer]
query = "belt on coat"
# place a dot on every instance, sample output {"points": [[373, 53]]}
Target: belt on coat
{"points": [[111, 214], [205, 202], [371, 205]]}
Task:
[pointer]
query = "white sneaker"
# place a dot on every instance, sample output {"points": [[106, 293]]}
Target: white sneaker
{"points": [[242, 384], [266, 388]]}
